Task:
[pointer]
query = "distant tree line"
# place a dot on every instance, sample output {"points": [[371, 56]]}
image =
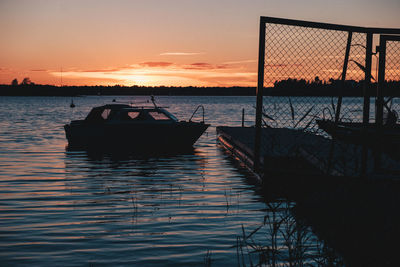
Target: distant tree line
{"points": [[332, 87], [28, 88], [25, 81], [288, 87]]}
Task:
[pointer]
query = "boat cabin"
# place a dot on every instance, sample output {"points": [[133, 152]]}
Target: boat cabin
{"points": [[121, 112]]}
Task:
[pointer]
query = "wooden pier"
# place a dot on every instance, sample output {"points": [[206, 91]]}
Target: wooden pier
{"points": [[289, 151]]}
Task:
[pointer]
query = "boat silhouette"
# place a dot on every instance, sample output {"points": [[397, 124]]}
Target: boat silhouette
{"points": [[133, 127]]}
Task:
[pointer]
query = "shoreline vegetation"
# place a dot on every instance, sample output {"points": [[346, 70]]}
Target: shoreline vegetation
{"points": [[289, 87]]}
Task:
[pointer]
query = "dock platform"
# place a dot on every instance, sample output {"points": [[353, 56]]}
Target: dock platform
{"points": [[291, 151]]}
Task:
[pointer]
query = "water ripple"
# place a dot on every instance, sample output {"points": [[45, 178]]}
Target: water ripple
{"points": [[74, 208], [69, 208]]}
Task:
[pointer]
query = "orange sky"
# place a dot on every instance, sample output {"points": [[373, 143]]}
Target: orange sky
{"points": [[155, 42]]}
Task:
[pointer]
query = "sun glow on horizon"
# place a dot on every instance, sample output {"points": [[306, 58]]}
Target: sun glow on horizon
{"points": [[163, 74]]}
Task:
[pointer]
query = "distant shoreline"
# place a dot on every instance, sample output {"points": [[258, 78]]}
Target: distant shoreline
{"points": [[322, 90], [50, 90]]}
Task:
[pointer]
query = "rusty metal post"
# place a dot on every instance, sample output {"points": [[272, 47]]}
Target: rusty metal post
{"points": [[259, 103]]}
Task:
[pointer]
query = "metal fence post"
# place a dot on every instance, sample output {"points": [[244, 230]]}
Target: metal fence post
{"points": [[366, 107], [259, 103], [380, 99], [367, 83], [345, 63], [381, 82], [339, 103]]}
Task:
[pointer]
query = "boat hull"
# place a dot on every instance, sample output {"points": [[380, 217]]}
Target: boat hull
{"points": [[141, 136], [385, 138]]}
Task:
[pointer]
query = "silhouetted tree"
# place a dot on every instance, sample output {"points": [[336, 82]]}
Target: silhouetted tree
{"points": [[14, 82], [26, 81]]}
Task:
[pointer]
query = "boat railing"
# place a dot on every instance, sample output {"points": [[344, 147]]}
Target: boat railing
{"points": [[199, 106]]}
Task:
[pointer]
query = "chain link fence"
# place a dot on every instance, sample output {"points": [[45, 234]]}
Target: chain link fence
{"points": [[302, 63], [317, 72]]}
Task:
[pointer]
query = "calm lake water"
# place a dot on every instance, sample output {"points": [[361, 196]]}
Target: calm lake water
{"points": [[75, 208]]}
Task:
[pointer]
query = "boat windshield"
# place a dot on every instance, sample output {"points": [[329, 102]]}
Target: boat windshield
{"points": [[105, 113], [143, 115], [133, 114], [120, 112], [158, 116]]}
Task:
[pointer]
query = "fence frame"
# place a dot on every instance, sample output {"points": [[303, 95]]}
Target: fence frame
{"points": [[381, 74], [327, 26]]}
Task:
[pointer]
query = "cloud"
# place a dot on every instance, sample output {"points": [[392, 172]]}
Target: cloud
{"points": [[156, 64], [103, 70], [39, 70], [181, 53], [200, 65], [206, 66], [241, 61], [222, 66]]}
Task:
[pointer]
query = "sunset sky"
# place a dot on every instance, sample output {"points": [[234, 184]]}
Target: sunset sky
{"points": [[156, 42]]}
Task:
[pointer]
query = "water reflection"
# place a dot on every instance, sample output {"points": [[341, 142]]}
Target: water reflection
{"points": [[132, 164], [121, 154]]}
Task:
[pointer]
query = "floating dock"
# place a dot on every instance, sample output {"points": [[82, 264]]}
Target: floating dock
{"points": [[290, 151]]}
